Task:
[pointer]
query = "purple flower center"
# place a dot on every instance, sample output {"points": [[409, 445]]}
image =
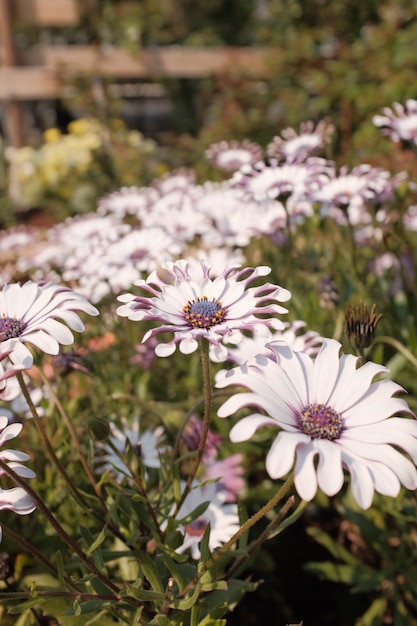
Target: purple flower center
{"points": [[320, 421], [10, 327], [204, 313], [196, 528]]}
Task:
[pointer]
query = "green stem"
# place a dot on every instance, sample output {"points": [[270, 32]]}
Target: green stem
{"points": [[74, 438], [255, 545], [205, 366], [27, 595], [45, 440], [139, 484], [398, 346], [57, 526], [29, 548], [282, 491]]}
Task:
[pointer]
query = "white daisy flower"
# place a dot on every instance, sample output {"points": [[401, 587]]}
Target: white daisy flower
{"points": [[246, 348], [206, 307], [147, 443], [222, 516], [231, 155], [331, 409], [30, 314], [399, 124], [292, 146]]}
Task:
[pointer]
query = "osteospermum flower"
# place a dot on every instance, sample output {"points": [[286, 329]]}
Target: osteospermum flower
{"points": [[222, 516], [400, 124], [146, 444], [274, 180], [15, 499], [30, 314], [192, 307], [352, 191], [292, 146], [231, 155], [330, 409], [245, 348]]}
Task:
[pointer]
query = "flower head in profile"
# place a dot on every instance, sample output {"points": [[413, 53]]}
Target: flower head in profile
{"points": [[14, 499], [331, 409], [9, 386], [192, 306], [222, 516], [30, 314], [244, 348], [400, 122], [292, 146], [231, 155]]}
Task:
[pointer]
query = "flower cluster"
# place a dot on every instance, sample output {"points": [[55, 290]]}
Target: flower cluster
{"points": [[162, 492]]}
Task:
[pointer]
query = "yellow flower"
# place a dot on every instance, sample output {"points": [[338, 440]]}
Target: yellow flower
{"points": [[52, 134]]}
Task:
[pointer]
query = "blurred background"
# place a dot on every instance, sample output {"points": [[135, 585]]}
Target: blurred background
{"points": [[152, 83]]}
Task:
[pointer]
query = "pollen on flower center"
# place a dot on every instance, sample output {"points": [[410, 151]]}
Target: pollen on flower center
{"points": [[10, 327], [320, 421], [204, 313], [196, 528]]}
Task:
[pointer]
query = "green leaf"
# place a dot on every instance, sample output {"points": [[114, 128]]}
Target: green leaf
{"points": [[187, 603], [146, 595], [98, 541], [359, 579], [174, 570], [90, 606], [215, 585], [151, 573], [59, 562], [335, 548], [23, 606], [204, 545], [373, 616]]}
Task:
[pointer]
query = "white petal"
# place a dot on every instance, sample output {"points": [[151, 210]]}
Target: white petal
{"points": [[43, 341], [400, 431], [246, 427], [165, 349], [386, 454], [326, 371], [329, 470], [59, 331], [305, 478], [362, 484], [188, 346], [280, 458]]}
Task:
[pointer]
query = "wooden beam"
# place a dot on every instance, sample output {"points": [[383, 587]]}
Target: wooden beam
{"points": [[64, 62], [28, 83], [165, 61], [47, 12]]}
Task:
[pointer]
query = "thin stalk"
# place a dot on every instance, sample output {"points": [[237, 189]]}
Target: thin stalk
{"points": [[28, 547], [282, 491], [205, 366], [79, 595], [398, 346], [75, 439], [140, 486], [255, 545], [45, 440], [57, 526]]}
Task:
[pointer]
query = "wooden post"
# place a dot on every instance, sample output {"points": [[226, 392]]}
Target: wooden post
{"points": [[13, 108]]}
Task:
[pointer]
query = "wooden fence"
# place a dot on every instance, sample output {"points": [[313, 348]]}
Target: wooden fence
{"points": [[39, 73]]}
